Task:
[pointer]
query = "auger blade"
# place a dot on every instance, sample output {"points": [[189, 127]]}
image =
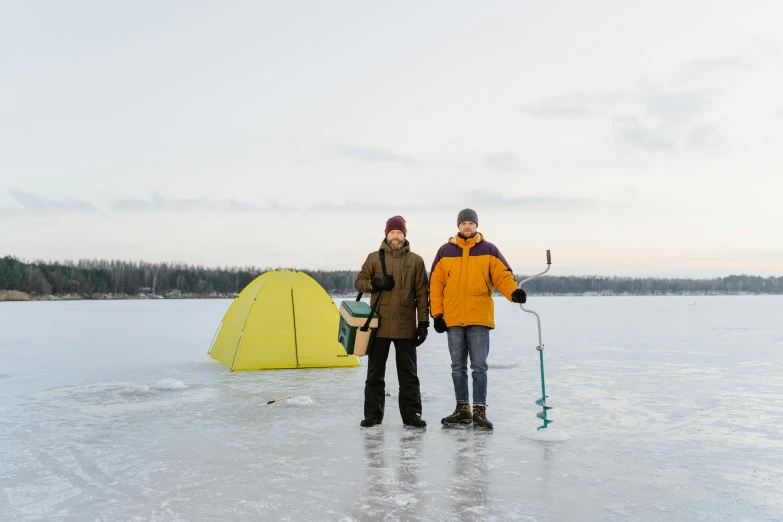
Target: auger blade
{"points": [[542, 414]]}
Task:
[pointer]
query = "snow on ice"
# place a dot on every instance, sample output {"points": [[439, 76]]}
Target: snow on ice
{"points": [[170, 384]]}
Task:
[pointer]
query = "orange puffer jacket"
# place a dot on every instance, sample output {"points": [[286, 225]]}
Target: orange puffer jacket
{"points": [[463, 276]]}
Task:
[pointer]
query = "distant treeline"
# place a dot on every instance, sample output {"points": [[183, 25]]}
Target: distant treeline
{"points": [[95, 278], [734, 284]]}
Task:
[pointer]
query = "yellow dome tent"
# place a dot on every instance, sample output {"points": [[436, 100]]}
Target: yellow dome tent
{"points": [[282, 319]]}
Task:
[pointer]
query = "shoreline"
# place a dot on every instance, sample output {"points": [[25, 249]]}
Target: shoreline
{"points": [[52, 298]]}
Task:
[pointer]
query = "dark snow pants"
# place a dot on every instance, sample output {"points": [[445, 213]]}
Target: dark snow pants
{"points": [[375, 385]]}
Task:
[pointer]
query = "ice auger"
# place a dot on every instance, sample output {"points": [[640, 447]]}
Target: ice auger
{"points": [[542, 401]]}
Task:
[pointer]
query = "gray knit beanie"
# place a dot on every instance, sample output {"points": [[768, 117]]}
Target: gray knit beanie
{"points": [[467, 214]]}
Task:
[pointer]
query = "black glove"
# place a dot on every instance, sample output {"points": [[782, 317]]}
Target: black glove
{"points": [[518, 296], [382, 283], [421, 332], [440, 324]]}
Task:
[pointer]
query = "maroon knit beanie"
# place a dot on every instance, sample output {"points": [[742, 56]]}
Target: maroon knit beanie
{"points": [[396, 223]]}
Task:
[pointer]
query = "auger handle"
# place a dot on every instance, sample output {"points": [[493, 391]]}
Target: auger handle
{"points": [[540, 346], [548, 266]]}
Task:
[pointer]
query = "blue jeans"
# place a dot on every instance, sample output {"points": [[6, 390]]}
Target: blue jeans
{"points": [[473, 341]]}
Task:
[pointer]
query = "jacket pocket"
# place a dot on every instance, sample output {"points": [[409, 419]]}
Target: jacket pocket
{"points": [[452, 280], [478, 279]]}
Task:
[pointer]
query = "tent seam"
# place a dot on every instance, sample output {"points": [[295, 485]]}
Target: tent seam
{"points": [[296, 341]]}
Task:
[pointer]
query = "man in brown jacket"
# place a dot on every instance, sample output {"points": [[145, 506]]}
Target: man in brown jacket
{"points": [[403, 288]]}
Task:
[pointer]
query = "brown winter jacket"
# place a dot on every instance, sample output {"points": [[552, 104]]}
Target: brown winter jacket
{"points": [[405, 303]]}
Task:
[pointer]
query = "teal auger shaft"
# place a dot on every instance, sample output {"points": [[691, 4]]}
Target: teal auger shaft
{"points": [[542, 401]]}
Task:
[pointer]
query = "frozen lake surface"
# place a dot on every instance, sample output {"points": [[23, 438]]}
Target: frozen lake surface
{"points": [[674, 405]]}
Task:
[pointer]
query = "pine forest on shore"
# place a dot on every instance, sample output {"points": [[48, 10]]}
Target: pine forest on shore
{"points": [[102, 279]]}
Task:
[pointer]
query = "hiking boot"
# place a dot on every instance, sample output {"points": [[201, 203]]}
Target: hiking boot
{"points": [[416, 422], [369, 422], [461, 415], [480, 417]]}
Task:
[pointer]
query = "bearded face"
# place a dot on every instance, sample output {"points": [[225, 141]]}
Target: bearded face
{"points": [[467, 229], [395, 239]]}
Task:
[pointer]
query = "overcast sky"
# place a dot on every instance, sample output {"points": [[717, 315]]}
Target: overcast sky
{"points": [[629, 138]]}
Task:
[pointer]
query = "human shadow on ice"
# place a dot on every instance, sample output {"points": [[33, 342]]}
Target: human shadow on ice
{"points": [[470, 479]]}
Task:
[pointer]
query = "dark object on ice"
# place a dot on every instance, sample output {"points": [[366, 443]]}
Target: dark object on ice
{"points": [[440, 324], [519, 296], [480, 417], [278, 400], [368, 423], [421, 332], [415, 422], [461, 415]]}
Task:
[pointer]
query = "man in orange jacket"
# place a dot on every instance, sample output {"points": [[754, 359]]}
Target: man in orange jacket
{"points": [[465, 272]]}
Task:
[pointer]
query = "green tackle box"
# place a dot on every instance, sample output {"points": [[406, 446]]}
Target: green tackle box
{"points": [[353, 315]]}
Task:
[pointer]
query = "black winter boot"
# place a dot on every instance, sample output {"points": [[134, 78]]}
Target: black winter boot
{"points": [[369, 422], [480, 417], [415, 422], [461, 415]]}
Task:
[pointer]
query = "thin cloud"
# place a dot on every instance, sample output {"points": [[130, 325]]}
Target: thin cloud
{"points": [[552, 109], [377, 155], [699, 69], [669, 106], [454, 202], [328, 207], [704, 135], [573, 105], [645, 137], [497, 200], [275, 206], [503, 161], [677, 107], [673, 119], [34, 204], [159, 203], [670, 119]]}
